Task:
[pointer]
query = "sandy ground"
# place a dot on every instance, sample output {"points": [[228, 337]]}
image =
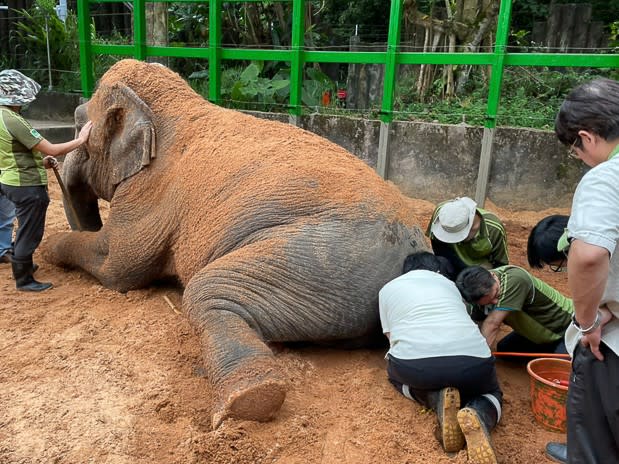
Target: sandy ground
{"points": [[89, 375]]}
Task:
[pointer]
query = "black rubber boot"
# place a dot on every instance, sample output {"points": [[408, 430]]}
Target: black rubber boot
{"points": [[446, 403], [477, 420], [24, 281], [557, 451]]}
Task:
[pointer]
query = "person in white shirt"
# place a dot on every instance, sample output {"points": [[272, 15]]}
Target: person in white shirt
{"points": [[438, 357], [588, 123]]}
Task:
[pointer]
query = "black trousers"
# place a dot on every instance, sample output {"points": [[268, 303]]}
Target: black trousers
{"points": [[30, 209], [472, 376], [514, 342], [593, 408]]}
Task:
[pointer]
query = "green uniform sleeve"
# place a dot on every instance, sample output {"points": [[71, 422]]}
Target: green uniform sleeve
{"points": [[516, 288], [498, 238], [22, 131]]}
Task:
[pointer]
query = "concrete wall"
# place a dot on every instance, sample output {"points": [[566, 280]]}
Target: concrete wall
{"points": [[530, 168]]}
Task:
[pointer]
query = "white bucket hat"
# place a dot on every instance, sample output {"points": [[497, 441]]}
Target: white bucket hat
{"points": [[454, 220], [17, 89]]}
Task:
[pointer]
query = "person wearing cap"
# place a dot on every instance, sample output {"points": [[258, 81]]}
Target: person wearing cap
{"points": [[538, 314], [438, 357], [23, 179], [467, 235], [588, 123]]}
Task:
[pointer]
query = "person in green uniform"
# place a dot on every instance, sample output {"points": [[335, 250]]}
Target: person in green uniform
{"points": [[467, 235], [538, 314], [23, 179]]}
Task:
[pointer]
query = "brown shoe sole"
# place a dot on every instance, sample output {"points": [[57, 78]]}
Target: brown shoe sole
{"points": [[478, 443], [451, 434]]}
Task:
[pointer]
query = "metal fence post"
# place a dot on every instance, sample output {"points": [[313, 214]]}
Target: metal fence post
{"points": [[296, 63], [391, 69], [83, 27], [494, 95], [214, 51], [139, 30]]}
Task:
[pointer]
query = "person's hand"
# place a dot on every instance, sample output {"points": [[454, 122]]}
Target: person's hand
{"points": [[85, 132], [50, 162], [592, 341]]}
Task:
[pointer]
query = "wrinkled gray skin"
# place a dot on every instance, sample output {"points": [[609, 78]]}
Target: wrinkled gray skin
{"points": [[265, 247]]}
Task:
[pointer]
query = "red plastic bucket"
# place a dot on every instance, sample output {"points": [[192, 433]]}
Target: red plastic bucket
{"points": [[549, 385]]}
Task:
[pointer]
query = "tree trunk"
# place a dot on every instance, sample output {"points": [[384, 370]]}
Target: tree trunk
{"points": [[484, 26], [157, 28]]}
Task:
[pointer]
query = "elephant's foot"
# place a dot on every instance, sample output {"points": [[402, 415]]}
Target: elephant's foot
{"points": [[259, 401]]}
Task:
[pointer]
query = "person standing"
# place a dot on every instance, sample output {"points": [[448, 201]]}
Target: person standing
{"points": [[438, 357], [7, 216], [467, 235], [23, 179], [588, 123]]}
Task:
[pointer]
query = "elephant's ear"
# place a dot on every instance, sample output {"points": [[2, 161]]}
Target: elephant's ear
{"points": [[129, 134]]}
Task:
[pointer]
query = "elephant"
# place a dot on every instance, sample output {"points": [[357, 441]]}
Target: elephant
{"points": [[273, 233]]}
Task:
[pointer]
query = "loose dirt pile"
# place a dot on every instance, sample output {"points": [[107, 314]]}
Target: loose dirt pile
{"points": [[91, 375]]}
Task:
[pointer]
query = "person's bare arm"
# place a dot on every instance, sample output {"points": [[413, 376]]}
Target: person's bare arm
{"points": [[492, 324], [587, 274], [58, 149]]}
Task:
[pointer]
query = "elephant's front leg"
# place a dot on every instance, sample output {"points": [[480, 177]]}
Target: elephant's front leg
{"points": [[241, 368], [86, 250], [119, 263]]}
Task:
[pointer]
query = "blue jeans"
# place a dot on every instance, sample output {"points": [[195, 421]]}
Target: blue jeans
{"points": [[7, 216]]}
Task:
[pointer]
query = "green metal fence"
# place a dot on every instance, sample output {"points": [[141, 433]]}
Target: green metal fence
{"points": [[298, 56]]}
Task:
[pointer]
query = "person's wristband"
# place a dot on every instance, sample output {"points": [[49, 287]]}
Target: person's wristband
{"points": [[592, 327]]}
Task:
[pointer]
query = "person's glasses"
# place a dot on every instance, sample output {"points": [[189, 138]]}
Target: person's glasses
{"points": [[557, 267], [571, 152]]}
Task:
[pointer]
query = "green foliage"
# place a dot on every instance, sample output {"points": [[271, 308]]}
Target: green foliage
{"points": [[31, 41], [250, 88], [530, 98]]}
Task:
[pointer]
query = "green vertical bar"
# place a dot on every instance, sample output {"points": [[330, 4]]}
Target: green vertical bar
{"points": [[139, 29], [214, 51], [296, 64], [496, 79], [391, 64], [83, 27]]}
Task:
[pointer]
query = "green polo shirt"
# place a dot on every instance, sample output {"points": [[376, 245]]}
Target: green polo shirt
{"points": [[19, 165], [537, 311], [491, 229]]}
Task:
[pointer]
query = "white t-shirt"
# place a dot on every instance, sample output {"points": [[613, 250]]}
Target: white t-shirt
{"points": [[595, 220], [425, 317]]}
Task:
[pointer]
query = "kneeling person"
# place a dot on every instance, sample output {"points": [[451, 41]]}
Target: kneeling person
{"points": [[438, 357], [538, 314]]}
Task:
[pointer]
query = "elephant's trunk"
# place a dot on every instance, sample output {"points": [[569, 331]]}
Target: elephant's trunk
{"points": [[83, 199]]}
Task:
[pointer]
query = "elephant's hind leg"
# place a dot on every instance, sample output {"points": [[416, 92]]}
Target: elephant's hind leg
{"points": [[241, 368]]}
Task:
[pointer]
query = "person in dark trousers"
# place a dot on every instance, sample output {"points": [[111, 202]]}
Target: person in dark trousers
{"points": [[467, 235], [438, 357], [537, 313], [7, 216], [548, 246], [588, 123], [23, 179]]}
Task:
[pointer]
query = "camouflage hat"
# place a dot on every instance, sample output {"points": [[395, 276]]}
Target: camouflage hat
{"points": [[17, 89]]}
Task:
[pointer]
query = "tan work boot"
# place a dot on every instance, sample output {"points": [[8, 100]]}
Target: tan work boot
{"points": [[478, 444], [450, 435]]}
